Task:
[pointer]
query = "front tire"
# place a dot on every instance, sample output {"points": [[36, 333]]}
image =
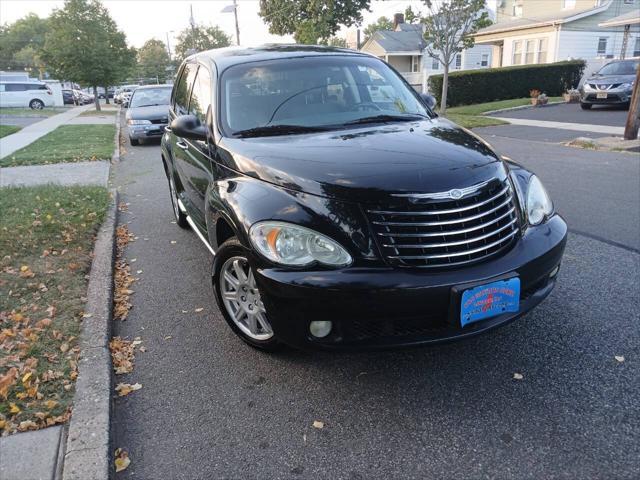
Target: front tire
{"points": [[585, 106], [181, 217], [239, 299], [36, 104], [134, 141]]}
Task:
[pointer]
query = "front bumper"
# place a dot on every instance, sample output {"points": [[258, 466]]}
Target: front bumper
{"points": [[614, 97], [385, 307], [155, 130]]}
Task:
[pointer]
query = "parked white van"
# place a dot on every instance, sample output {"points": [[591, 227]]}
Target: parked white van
{"points": [[16, 93]]}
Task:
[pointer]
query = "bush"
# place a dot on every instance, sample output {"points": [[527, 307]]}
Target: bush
{"points": [[490, 84]]}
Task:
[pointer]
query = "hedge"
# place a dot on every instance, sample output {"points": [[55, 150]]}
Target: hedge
{"points": [[488, 84]]}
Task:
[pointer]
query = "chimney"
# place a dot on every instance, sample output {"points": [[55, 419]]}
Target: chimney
{"points": [[398, 18]]}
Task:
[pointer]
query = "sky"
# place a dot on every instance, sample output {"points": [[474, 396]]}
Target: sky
{"points": [[145, 19]]}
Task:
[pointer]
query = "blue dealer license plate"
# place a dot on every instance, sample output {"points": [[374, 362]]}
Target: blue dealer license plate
{"points": [[486, 301]]}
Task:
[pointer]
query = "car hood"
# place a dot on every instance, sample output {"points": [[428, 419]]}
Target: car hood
{"points": [[148, 113], [609, 79], [369, 163]]}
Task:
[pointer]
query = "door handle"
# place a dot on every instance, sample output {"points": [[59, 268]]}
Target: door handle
{"points": [[182, 145], [167, 128]]}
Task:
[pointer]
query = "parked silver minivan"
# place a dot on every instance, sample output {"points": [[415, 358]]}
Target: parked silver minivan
{"points": [[24, 93]]}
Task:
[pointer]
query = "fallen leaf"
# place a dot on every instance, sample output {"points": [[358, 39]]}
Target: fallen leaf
{"points": [[143, 349], [126, 388], [122, 460], [318, 424], [13, 408], [7, 380], [619, 358], [199, 309], [50, 404], [168, 337], [173, 242], [517, 376], [64, 347]]}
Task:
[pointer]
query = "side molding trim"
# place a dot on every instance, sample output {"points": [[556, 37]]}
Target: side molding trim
{"points": [[195, 228]]}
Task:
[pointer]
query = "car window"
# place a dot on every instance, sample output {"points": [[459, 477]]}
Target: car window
{"points": [[1, 87], [201, 95], [181, 98], [619, 68], [150, 97], [313, 92], [15, 87]]}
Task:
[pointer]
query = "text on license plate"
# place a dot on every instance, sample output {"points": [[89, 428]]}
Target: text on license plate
{"points": [[489, 300], [601, 95]]}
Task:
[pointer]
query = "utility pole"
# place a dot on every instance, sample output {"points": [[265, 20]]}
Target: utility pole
{"points": [[235, 12], [193, 28], [633, 119], [168, 45]]}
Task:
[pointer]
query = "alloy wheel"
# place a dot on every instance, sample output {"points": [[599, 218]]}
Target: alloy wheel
{"points": [[241, 299]]}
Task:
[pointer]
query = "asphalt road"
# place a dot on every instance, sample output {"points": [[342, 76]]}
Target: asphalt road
{"points": [[211, 407], [572, 113]]}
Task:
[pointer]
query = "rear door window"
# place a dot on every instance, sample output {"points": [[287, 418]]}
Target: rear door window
{"points": [[15, 87], [183, 88]]}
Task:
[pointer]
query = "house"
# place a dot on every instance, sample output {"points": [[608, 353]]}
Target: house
{"points": [[404, 49], [546, 31]]}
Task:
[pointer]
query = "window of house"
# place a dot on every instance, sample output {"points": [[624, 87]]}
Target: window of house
{"points": [[415, 63], [516, 9], [529, 56], [484, 61], [542, 50], [568, 4], [628, 2], [602, 46], [435, 64], [636, 48], [458, 61], [517, 52]]}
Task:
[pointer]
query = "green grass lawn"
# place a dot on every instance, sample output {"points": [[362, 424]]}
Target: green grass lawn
{"points": [[472, 116], [8, 130], [46, 240], [27, 112], [67, 143], [104, 111]]}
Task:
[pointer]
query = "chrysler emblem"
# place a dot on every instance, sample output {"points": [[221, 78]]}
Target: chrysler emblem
{"points": [[455, 194]]}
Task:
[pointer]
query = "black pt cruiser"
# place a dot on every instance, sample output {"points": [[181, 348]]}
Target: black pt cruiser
{"points": [[341, 211]]}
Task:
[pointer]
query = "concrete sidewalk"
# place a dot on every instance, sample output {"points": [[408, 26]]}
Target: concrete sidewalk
{"points": [[32, 455], [79, 173], [30, 134], [578, 127]]}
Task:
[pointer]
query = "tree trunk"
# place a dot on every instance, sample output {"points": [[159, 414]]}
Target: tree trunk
{"points": [[95, 98], [445, 87], [633, 119], [106, 96]]}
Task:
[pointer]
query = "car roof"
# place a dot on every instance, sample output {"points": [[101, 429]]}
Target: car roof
{"points": [[149, 87], [226, 57]]}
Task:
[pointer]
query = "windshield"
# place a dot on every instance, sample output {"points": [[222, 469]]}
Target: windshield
{"points": [[150, 96], [619, 68], [314, 92]]}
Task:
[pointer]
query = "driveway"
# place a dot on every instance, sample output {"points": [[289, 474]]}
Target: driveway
{"points": [[571, 113], [211, 407]]}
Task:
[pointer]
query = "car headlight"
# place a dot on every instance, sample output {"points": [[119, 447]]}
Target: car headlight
{"points": [[539, 204], [626, 86], [288, 244], [138, 122]]}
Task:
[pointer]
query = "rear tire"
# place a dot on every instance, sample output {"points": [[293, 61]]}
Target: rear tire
{"points": [[36, 104], [585, 106], [134, 141], [241, 305]]}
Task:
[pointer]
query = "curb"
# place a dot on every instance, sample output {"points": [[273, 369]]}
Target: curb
{"points": [[87, 446], [521, 107], [115, 158]]}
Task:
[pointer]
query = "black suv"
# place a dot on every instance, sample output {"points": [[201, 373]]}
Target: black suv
{"points": [[341, 211]]}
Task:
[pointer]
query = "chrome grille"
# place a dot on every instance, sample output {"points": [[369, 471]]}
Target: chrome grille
{"points": [[448, 233]]}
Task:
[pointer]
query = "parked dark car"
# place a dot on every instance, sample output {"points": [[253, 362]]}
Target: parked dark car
{"points": [[611, 85], [68, 98], [341, 211], [148, 112]]}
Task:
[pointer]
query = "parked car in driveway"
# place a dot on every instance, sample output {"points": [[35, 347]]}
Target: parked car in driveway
{"points": [[341, 211], [68, 97], [148, 112], [35, 95], [611, 85]]}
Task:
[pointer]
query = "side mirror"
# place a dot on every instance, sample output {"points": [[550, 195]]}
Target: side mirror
{"points": [[430, 100], [189, 126]]}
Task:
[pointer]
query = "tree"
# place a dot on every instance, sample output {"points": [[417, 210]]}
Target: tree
{"points": [[84, 45], [200, 38], [337, 42], [21, 42], [311, 21], [412, 17], [383, 23], [450, 26], [153, 60]]}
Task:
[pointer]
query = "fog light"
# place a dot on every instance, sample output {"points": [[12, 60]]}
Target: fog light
{"points": [[554, 272], [320, 329]]}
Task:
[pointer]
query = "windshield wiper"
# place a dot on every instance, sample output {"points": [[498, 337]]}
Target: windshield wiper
{"points": [[151, 105], [387, 118], [277, 130]]}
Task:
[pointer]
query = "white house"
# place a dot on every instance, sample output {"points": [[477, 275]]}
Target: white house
{"points": [[404, 49], [546, 31]]}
